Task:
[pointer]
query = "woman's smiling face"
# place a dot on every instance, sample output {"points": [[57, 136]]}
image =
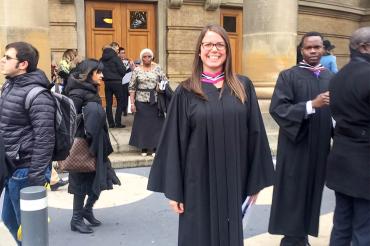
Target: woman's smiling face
{"points": [[213, 52]]}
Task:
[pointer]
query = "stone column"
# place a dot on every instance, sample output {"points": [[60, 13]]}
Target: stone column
{"points": [[80, 22], [162, 34], [269, 41], [28, 21]]}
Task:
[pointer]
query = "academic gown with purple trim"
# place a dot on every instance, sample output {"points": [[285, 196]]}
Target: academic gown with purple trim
{"points": [[211, 155], [303, 147]]}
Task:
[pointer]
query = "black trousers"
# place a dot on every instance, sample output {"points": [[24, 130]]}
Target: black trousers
{"points": [[125, 98], [114, 88], [351, 221]]}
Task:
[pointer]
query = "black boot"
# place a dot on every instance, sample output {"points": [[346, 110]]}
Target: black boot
{"points": [[88, 210], [77, 221], [294, 241]]}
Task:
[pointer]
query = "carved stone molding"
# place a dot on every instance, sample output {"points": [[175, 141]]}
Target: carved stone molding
{"points": [[339, 14], [175, 4], [67, 1], [212, 4]]}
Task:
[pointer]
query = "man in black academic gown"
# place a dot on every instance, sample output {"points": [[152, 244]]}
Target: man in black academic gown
{"points": [[299, 105], [348, 172]]}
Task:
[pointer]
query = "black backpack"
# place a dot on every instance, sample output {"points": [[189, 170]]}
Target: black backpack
{"points": [[65, 121]]}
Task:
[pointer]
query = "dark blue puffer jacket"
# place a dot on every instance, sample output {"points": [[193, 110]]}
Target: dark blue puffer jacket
{"points": [[28, 134]]}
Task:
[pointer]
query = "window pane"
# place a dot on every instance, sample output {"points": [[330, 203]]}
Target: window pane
{"points": [[230, 23], [138, 20], [103, 19]]}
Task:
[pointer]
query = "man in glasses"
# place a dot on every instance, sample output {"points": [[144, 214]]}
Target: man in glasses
{"points": [[348, 171], [28, 133]]}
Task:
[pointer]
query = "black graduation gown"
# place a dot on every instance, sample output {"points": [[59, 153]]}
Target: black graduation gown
{"points": [[303, 146], [211, 155]]}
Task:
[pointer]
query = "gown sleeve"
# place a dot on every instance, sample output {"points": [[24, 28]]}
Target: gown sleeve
{"points": [[260, 166], [167, 172], [288, 114]]}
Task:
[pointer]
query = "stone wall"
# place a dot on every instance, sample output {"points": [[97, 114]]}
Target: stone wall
{"points": [[63, 34], [231, 3], [365, 21], [364, 3], [26, 20], [327, 16], [183, 27], [328, 26]]}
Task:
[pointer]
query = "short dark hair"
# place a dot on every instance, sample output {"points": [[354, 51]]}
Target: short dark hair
{"points": [[26, 52], [120, 48], [311, 34]]}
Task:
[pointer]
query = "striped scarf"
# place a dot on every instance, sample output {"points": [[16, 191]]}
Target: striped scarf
{"points": [[212, 78], [315, 69]]}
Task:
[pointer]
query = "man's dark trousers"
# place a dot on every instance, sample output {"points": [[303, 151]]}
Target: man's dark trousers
{"points": [[125, 98], [351, 221], [114, 88]]}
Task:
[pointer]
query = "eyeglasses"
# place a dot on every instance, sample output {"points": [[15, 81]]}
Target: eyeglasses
{"points": [[209, 46], [9, 58], [147, 56]]}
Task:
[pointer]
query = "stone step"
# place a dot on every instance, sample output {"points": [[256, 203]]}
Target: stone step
{"points": [[129, 160], [120, 137]]}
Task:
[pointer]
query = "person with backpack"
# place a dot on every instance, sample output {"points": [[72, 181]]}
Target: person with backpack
{"points": [[82, 88], [29, 134]]}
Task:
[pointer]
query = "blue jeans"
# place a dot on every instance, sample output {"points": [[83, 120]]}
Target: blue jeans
{"points": [[11, 214], [48, 174]]}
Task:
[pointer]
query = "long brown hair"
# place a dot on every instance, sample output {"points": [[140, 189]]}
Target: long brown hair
{"points": [[193, 83]]}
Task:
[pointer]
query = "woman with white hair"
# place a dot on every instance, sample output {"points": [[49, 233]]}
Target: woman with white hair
{"points": [[143, 97]]}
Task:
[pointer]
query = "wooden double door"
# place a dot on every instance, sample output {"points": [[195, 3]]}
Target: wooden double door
{"points": [[232, 21], [132, 25]]}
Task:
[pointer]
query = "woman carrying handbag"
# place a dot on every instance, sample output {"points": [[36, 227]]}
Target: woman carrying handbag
{"points": [[82, 88]]}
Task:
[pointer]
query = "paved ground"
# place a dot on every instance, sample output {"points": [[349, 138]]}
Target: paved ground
{"points": [[132, 216]]}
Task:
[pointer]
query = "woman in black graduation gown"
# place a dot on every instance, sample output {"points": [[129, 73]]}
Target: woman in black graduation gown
{"points": [[213, 150]]}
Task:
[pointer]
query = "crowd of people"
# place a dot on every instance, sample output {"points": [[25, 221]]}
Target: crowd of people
{"points": [[210, 144]]}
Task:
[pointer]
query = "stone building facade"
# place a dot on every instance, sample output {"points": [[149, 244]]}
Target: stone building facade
{"points": [[265, 35]]}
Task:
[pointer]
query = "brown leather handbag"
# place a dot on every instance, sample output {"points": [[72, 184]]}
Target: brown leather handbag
{"points": [[79, 159]]}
